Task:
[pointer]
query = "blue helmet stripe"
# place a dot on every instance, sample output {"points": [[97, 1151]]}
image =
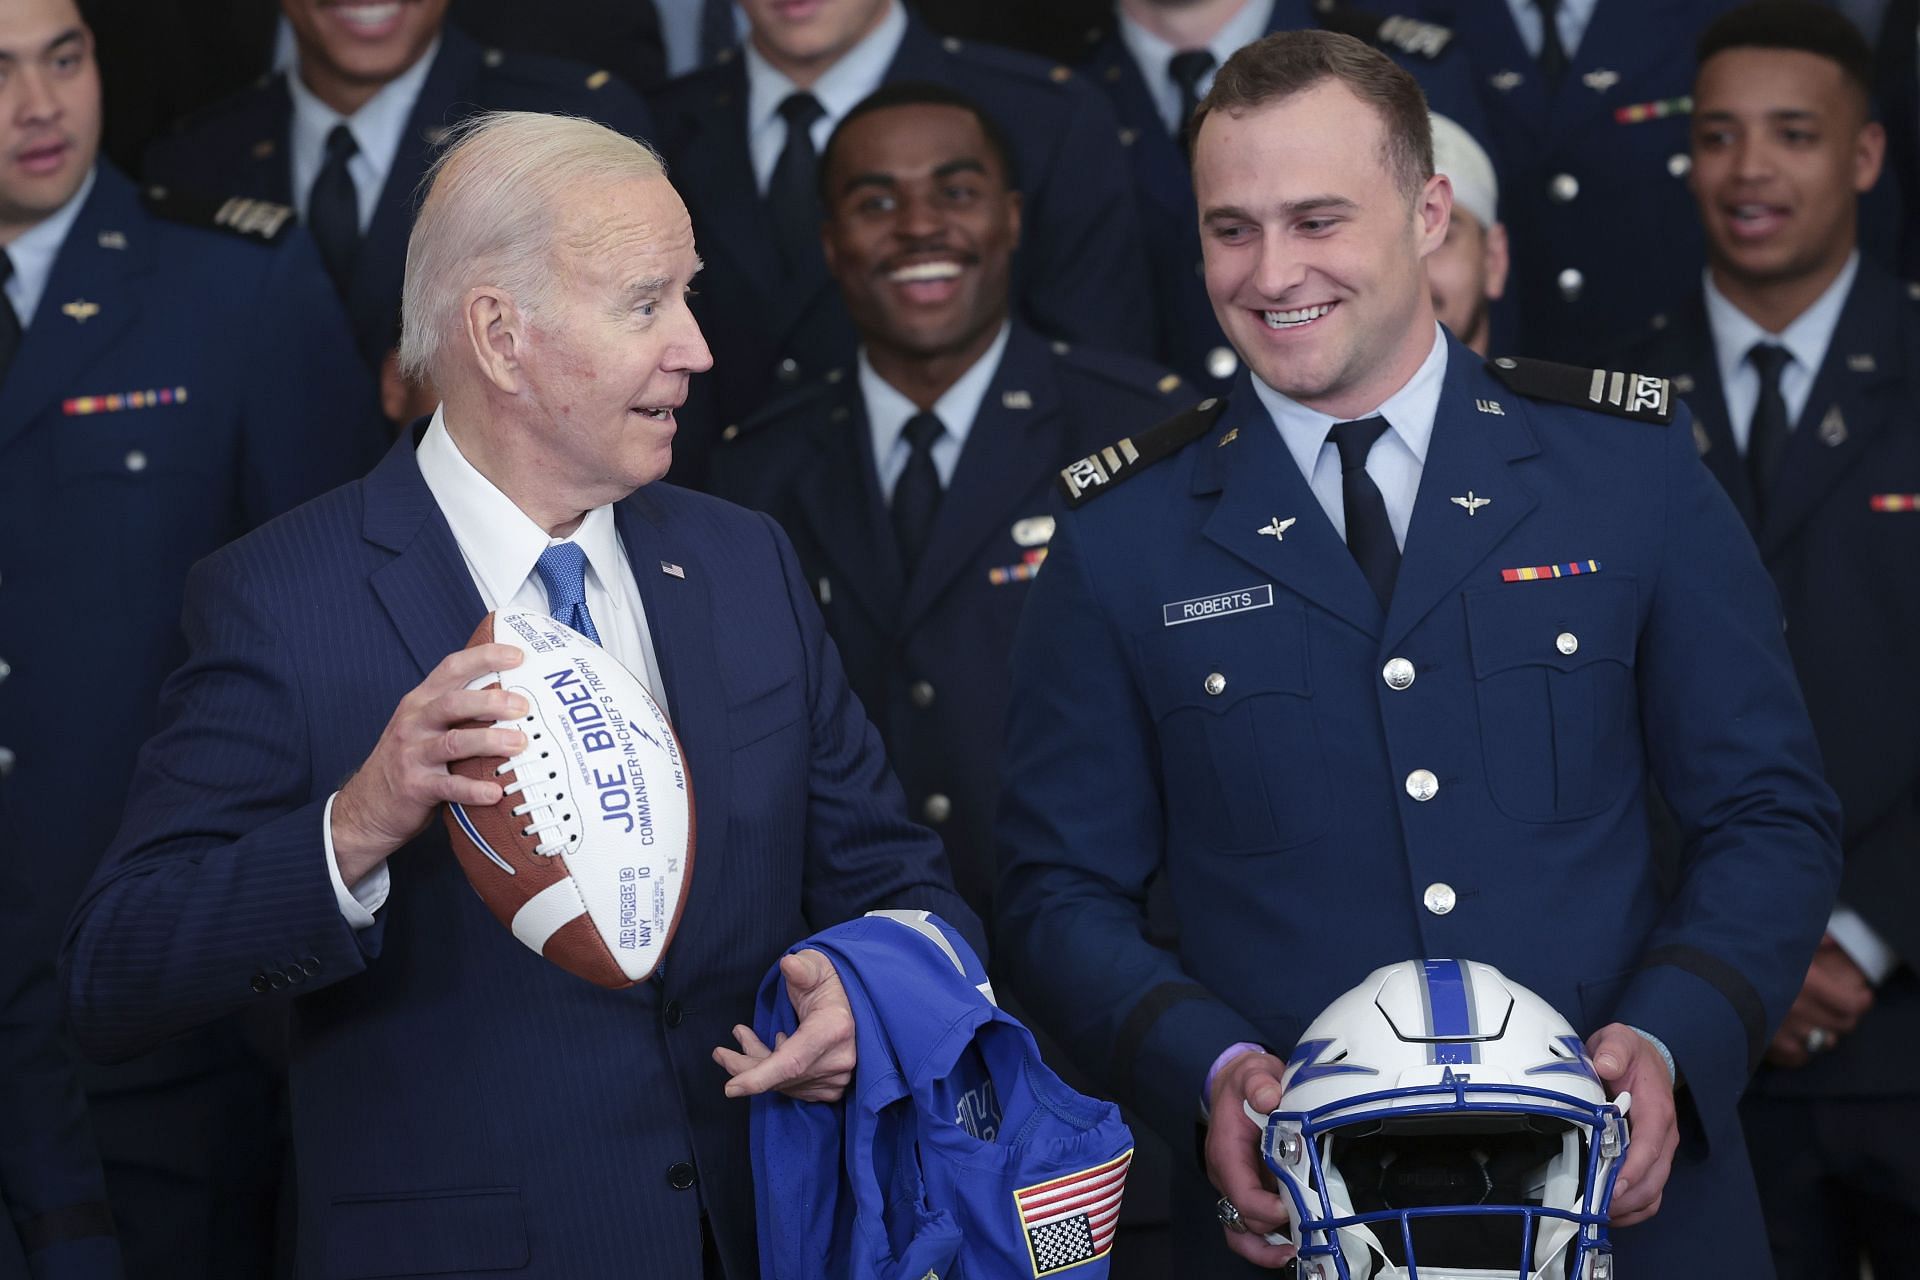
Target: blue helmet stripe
{"points": [[1449, 1010]]}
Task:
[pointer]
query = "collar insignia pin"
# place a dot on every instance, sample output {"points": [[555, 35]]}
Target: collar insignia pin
{"points": [[1278, 527], [113, 239], [80, 310], [1600, 79], [1833, 428], [1863, 363], [1016, 399], [1490, 406], [1471, 503]]}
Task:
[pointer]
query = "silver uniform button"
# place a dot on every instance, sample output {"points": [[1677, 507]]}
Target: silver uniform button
{"points": [[1567, 643], [921, 694], [1398, 673], [1679, 164], [1222, 362], [938, 808], [1439, 898], [789, 369], [1422, 785], [1571, 282], [1564, 187], [6, 761], [6, 669], [136, 460], [1216, 683]]}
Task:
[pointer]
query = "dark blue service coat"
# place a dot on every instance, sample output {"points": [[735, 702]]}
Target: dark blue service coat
{"points": [[1841, 541], [1195, 698], [928, 656], [459, 1104], [1190, 337], [239, 148], [1593, 177], [1078, 276]]}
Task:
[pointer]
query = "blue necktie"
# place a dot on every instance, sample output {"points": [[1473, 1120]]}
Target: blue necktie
{"points": [[1369, 532], [563, 569]]}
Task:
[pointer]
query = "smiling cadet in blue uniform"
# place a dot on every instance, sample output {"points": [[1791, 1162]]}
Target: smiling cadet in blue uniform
{"points": [[921, 229], [1801, 360], [397, 89], [163, 388], [1156, 62], [767, 303], [1370, 660], [1589, 134]]}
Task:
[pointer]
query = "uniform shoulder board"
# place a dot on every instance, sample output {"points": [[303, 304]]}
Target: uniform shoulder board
{"points": [[1026, 66], [1410, 36], [1640, 396], [806, 399], [1142, 377], [261, 221], [1102, 470]]}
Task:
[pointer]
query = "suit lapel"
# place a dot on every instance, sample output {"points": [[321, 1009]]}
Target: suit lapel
{"points": [[839, 498], [1469, 454], [1014, 441], [90, 299], [1259, 483], [426, 589], [1842, 415]]}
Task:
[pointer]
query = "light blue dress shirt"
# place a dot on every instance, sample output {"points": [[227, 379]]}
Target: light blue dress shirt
{"points": [[888, 411], [33, 252], [1805, 340], [1152, 54], [857, 74], [1573, 19], [377, 127]]}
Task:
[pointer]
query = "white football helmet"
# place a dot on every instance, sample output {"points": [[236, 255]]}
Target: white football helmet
{"points": [[1442, 1122]]}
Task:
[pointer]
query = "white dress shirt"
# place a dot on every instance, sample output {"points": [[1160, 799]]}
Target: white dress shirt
{"points": [[857, 74], [377, 127], [1805, 341], [888, 411], [34, 250], [1153, 55], [1398, 456], [1573, 18], [500, 545]]}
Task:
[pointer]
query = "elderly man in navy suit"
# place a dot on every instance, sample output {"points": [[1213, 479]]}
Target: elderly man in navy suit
{"points": [[460, 1105]]}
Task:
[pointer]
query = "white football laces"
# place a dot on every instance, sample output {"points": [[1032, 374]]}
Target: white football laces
{"points": [[538, 783]]}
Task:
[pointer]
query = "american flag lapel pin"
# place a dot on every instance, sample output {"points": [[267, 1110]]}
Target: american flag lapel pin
{"points": [[672, 570]]}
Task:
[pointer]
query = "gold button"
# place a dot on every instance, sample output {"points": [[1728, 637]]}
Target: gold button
{"points": [[1398, 673], [1567, 643], [1422, 785], [1439, 898], [1216, 683]]}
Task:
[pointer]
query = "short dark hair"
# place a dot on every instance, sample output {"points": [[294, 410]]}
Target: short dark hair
{"points": [[1799, 25], [1289, 62], [920, 93]]}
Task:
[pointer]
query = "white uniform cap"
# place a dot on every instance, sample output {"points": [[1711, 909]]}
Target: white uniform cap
{"points": [[1465, 163]]}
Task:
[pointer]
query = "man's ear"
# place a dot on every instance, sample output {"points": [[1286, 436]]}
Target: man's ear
{"points": [[1433, 210], [497, 336], [1497, 261], [1869, 153]]}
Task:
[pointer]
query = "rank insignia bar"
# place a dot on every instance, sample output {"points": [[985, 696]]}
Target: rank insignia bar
{"points": [[1072, 1219], [1639, 112], [1895, 501], [1536, 573], [80, 406]]}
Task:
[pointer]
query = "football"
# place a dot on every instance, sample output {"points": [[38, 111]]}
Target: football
{"points": [[588, 856]]}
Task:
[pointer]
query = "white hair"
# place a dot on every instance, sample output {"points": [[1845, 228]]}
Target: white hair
{"points": [[488, 217]]}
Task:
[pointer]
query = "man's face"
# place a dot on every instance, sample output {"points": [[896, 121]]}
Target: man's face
{"points": [[1467, 273], [920, 228], [608, 362], [1313, 253], [811, 34], [360, 42], [49, 110], [1781, 149]]}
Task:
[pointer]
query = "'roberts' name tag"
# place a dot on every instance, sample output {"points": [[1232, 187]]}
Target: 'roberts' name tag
{"points": [[1217, 606]]}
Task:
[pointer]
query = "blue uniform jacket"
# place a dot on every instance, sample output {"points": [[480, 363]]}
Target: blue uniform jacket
{"points": [[1842, 565], [1196, 698], [1190, 337], [956, 1154], [459, 1104], [928, 657], [1077, 275], [239, 148], [1593, 177]]}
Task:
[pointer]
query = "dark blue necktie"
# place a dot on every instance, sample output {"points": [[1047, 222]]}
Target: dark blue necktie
{"points": [[916, 495], [10, 329], [1767, 439], [333, 208], [563, 570], [1369, 534]]}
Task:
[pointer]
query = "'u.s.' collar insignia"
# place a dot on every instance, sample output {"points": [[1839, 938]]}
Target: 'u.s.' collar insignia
{"points": [[1600, 79], [1034, 531], [80, 310], [1833, 428], [1278, 527], [1506, 81], [113, 240], [1490, 406], [1863, 362], [1471, 503], [1016, 400]]}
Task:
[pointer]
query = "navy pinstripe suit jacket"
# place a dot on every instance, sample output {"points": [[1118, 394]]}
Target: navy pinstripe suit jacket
{"points": [[460, 1106]]}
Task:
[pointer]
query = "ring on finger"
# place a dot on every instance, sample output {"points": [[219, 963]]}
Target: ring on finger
{"points": [[1228, 1215], [1819, 1040]]}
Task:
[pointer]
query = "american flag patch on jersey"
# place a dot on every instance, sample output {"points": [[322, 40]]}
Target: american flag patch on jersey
{"points": [[1072, 1219]]}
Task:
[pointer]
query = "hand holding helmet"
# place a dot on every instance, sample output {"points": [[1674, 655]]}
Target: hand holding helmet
{"points": [[1247, 1084]]}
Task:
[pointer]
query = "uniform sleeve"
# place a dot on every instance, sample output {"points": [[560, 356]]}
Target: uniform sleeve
{"points": [[863, 852], [1080, 839], [1083, 256], [1734, 754], [1882, 880], [50, 1180], [217, 884], [313, 418]]}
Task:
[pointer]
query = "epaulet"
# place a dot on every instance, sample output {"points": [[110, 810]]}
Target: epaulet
{"points": [[1410, 36], [543, 70], [833, 384], [1142, 377], [1101, 470], [260, 221], [1640, 396], [1025, 65]]}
